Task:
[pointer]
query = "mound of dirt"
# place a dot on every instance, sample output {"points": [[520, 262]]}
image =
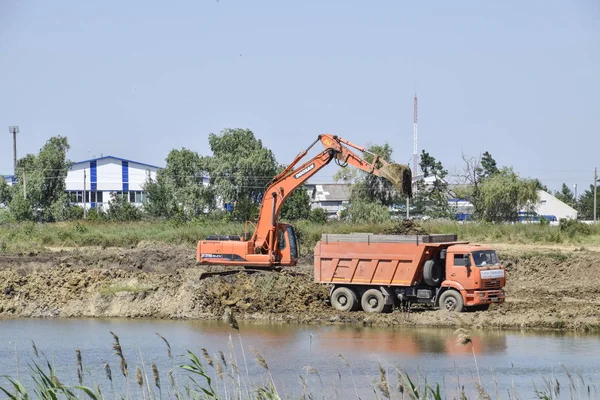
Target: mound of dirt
{"points": [[546, 289], [406, 227]]}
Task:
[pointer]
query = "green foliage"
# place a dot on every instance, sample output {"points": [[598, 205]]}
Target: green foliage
{"points": [[297, 206], [240, 169], [119, 209], [318, 216], [540, 186], [5, 193], [432, 199], [586, 204], [20, 207], [368, 187], [178, 191], [39, 191], [574, 228], [488, 166], [566, 195], [503, 195], [361, 212]]}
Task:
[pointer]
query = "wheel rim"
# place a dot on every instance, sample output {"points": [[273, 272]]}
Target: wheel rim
{"points": [[373, 301], [343, 300], [450, 303]]}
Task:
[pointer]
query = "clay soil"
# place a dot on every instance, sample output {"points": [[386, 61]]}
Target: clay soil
{"points": [[548, 288]]}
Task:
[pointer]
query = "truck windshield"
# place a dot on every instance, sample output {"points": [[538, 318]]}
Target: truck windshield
{"points": [[485, 258]]}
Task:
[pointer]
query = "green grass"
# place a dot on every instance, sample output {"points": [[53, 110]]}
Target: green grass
{"points": [[28, 236], [125, 288]]}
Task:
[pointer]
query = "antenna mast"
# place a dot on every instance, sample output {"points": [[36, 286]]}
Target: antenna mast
{"points": [[415, 139]]}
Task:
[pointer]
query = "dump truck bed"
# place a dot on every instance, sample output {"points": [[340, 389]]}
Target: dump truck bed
{"points": [[375, 259]]}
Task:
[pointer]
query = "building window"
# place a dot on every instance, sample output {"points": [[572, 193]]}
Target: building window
{"points": [[77, 196], [137, 196]]}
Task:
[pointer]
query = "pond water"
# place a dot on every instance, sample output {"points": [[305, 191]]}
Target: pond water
{"points": [[345, 359]]}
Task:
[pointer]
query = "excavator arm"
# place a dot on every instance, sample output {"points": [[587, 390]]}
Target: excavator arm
{"points": [[294, 175]]}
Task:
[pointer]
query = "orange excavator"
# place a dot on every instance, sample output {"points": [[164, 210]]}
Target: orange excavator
{"points": [[274, 244]]}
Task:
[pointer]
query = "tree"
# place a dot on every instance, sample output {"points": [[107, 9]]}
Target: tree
{"points": [[119, 209], [297, 206], [431, 197], [367, 187], [179, 189], [372, 213], [566, 195], [5, 193], [586, 204], [503, 195], [40, 189], [240, 169], [478, 169], [318, 216], [488, 166], [540, 186]]}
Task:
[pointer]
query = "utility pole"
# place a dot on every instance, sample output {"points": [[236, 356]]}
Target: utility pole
{"points": [[595, 190], [24, 183], [84, 193], [14, 130]]}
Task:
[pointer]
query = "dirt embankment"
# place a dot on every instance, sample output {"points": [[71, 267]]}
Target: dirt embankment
{"points": [[547, 288]]}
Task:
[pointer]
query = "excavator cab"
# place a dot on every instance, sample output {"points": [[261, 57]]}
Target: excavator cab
{"points": [[287, 245]]}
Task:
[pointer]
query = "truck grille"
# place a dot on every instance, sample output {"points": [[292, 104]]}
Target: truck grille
{"points": [[491, 284]]}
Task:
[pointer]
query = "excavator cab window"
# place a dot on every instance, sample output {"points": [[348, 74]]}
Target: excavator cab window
{"points": [[282, 243], [293, 243]]}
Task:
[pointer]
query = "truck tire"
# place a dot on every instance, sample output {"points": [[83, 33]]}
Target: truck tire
{"points": [[373, 301], [432, 273], [344, 299], [451, 300]]}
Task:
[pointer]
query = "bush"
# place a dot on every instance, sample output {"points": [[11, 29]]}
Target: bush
{"points": [[318, 216], [119, 209], [573, 227], [368, 213]]}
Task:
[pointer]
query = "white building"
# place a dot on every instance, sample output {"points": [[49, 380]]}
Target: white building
{"points": [[91, 182], [551, 206], [10, 179], [332, 197]]}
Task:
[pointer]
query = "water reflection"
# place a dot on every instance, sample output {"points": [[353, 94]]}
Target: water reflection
{"points": [[515, 358], [408, 341]]}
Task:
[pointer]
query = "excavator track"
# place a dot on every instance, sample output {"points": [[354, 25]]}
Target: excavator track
{"points": [[218, 270]]}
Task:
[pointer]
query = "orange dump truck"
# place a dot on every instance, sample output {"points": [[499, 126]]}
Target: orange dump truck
{"points": [[377, 272]]}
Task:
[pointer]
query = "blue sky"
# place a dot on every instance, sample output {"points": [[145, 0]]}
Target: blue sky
{"points": [[137, 78]]}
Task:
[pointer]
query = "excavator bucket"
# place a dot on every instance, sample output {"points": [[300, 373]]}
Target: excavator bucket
{"points": [[400, 176]]}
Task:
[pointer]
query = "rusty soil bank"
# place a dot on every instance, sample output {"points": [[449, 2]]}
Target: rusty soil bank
{"points": [[548, 288]]}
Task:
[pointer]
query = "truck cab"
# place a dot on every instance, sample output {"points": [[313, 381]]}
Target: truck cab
{"points": [[475, 273]]}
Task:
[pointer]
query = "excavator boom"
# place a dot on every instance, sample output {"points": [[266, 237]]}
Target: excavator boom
{"points": [[272, 243]]}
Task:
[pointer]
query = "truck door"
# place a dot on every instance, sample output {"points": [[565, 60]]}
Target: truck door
{"points": [[459, 269]]}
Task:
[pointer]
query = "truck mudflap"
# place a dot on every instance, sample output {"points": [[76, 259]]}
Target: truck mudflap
{"points": [[480, 297]]}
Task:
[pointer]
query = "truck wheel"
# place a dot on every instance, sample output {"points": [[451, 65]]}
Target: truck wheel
{"points": [[344, 299], [432, 273], [373, 301], [451, 300]]}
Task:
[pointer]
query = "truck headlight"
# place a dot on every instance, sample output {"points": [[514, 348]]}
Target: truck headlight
{"points": [[481, 294]]}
